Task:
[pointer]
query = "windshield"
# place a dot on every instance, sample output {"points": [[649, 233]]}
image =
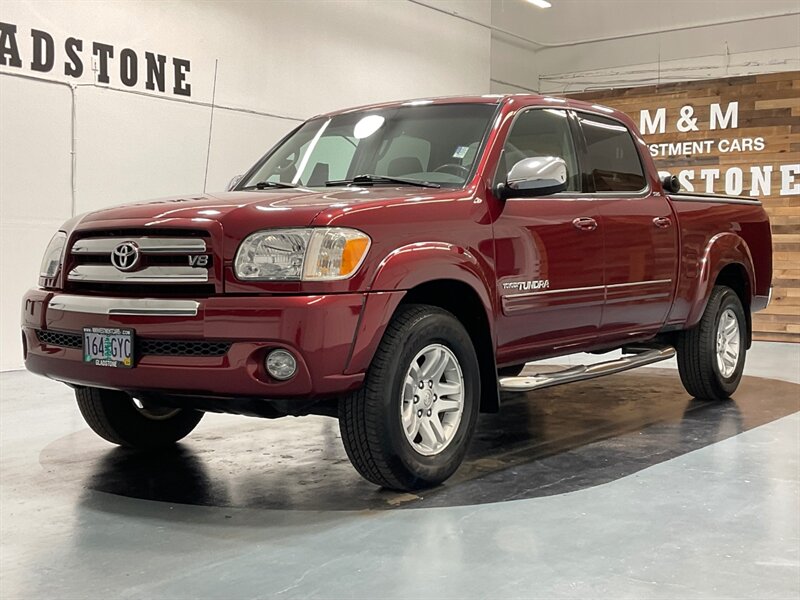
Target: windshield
{"points": [[435, 144]]}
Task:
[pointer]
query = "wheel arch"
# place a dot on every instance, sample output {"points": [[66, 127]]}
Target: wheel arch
{"points": [[726, 261], [734, 276], [464, 302], [440, 274]]}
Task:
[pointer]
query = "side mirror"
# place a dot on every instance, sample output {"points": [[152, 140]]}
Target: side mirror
{"points": [[535, 176], [670, 183], [234, 182]]}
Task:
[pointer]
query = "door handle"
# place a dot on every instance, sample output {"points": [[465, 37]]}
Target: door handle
{"points": [[662, 222], [585, 223]]}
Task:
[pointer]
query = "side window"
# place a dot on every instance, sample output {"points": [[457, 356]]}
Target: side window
{"points": [[406, 155], [540, 132], [613, 161]]}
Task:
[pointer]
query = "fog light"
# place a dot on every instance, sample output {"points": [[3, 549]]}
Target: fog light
{"points": [[281, 364]]}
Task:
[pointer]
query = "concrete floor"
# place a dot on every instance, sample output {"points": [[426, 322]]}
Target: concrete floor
{"points": [[622, 487]]}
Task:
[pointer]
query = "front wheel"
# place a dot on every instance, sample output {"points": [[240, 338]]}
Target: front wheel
{"points": [[711, 355], [409, 426], [118, 418]]}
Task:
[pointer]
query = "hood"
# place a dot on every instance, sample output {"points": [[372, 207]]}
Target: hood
{"points": [[252, 210]]}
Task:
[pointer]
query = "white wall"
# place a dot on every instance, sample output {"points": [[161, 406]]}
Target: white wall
{"points": [[729, 50], [291, 59]]}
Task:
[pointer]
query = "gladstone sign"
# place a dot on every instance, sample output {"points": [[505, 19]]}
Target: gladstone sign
{"points": [[39, 52]]}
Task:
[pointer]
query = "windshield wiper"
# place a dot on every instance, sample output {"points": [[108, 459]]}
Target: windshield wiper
{"points": [[373, 179], [269, 184]]}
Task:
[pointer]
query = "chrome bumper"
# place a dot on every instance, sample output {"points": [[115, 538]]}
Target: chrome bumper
{"points": [[152, 307]]}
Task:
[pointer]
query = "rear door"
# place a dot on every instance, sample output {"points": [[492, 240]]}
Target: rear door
{"points": [[549, 250], [639, 230]]}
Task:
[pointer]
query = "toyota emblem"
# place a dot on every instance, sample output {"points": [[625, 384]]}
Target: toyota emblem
{"points": [[125, 256]]}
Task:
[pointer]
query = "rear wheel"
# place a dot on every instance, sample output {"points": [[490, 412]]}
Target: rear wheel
{"points": [[409, 426], [711, 355], [117, 417]]}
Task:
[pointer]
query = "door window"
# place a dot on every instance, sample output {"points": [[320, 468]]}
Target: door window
{"points": [[540, 132], [613, 161]]}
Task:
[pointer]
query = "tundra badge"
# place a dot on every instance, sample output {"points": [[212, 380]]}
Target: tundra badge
{"points": [[524, 286]]}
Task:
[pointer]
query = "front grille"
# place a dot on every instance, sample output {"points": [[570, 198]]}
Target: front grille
{"points": [[58, 338], [182, 348], [147, 260], [167, 261], [143, 231], [195, 292], [143, 346]]}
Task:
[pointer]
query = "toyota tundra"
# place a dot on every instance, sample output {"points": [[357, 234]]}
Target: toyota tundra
{"points": [[395, 266]]}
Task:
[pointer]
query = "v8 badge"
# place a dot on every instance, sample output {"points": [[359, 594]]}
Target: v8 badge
{"points": [[198, 260]]}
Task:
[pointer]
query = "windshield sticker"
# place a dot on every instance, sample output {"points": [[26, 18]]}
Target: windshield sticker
{"points": [[461, 152]]}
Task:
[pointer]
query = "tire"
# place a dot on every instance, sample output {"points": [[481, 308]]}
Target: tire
{"points": [[373, 420], [114, 417], [698, 364]]}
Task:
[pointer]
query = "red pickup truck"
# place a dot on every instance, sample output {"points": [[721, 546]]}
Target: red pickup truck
{"points": [[395, 266]]}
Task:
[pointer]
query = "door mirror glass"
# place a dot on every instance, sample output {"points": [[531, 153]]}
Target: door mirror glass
{"points": [[234, 182], [536, 176]]}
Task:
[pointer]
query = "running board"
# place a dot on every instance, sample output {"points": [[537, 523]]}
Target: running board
{"points": [[582, 372]]}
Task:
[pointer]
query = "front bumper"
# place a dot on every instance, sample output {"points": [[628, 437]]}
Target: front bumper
{"points": [[319, 330]]}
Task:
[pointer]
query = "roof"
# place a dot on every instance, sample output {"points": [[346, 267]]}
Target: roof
{"points": [[482, 99]]}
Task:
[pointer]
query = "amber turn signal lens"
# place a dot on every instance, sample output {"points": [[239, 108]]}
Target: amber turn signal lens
{"points": [[353, 252], [334, 253]]}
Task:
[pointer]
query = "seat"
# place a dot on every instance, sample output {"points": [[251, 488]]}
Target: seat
{"points": [[404, 165], [319, 175]]}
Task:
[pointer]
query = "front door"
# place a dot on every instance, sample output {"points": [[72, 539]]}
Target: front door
{"points": [[548, 250]]}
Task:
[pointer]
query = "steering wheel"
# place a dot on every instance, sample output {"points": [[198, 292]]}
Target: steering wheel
{"points": [[452, 166]]}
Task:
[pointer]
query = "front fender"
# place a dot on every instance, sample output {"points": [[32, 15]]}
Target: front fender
{"points": [[404, 269], [722, 250], [414, 264]]}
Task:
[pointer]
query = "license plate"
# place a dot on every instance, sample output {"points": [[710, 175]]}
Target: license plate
{"points": [[108, 346]]}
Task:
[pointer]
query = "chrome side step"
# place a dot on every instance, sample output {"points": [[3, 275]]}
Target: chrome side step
{"points": [[526, 383]]}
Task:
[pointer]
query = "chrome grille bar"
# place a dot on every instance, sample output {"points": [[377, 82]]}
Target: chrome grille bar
{"points": [[147, 245], [110, 274]]}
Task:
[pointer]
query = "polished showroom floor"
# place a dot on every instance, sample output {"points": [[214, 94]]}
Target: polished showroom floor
{"points": [[622, 487]]}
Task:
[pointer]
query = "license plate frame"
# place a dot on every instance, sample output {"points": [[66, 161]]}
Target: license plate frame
{"points": [[109, 347]]}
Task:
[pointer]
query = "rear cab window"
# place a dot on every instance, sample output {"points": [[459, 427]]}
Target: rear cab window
{"points": [[612, 162]]}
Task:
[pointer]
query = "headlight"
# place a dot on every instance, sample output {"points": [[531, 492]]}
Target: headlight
{"points": [[315, 254], [51, 262]]}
